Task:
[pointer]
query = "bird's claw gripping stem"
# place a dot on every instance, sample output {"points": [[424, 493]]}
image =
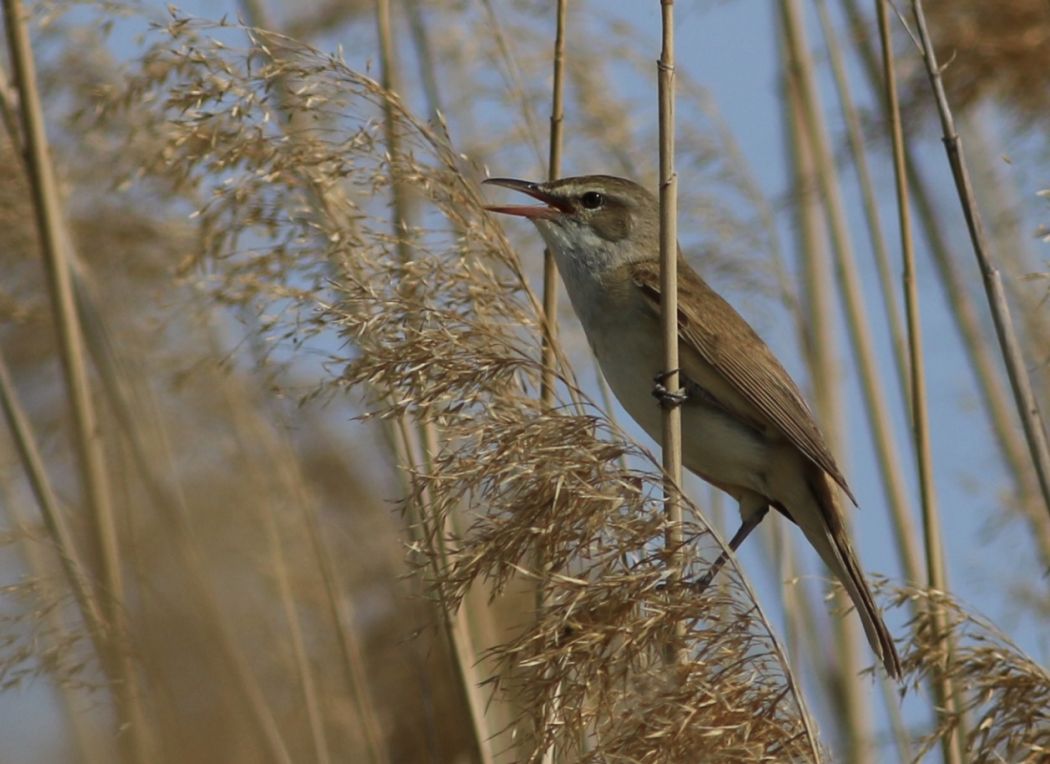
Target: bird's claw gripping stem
{"points": [[668, 398]]}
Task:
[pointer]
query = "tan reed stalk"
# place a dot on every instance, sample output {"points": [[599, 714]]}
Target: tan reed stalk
{"points": [[9, 112], [388, 78], [964, 311], [46, 206], [457, 623], [173, 504], [853, 708], [550, 312], [87, 441], [340, 607], [113, 377], [672, 416], [861, 343], [457, 626], [37, 564], [855, 135], [1024, 397], [136, 414], [307, 685], [936, 575], [550, 273], [54, 520]]}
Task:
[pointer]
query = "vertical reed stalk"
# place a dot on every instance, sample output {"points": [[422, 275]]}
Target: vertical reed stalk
{"points": [[427, 65], [550, 273], [87, 440], [54, 520], [855, 136], [1027, 407], [853, 708], [811, 248], [936, 575], [307, 685], [672, 416], [87, 436], [550, 311], [341, 611], [414, 443], [997, 404], [861, 342], [457, 626]]}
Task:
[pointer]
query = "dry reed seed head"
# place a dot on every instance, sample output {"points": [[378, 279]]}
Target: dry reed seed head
{"points": [[988, 50], [1006, 694], [39, 641]]}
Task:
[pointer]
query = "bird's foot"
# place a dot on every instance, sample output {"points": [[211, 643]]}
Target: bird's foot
{"points": [[667, 398]]}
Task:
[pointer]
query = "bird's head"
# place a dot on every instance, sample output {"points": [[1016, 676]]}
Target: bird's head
{"points": [[592, 221]]}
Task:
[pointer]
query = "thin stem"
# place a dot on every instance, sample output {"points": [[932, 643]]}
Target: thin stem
{"points": [[340, 608], [861, 342], [389, 80], [855, 135], [936, 576], [307, 685], [852, 708], [413, 454], [54, 520], [672, 416], [964, 311], [550, 275], [550, 325], [87, 440], [457, 628], [1024, 397]]}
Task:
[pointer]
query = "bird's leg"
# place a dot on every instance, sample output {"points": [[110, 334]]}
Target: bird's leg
{"points": [[747, 525], [668, 398]]}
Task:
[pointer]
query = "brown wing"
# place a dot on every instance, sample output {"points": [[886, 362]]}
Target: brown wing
{"points": [[726, 342]]}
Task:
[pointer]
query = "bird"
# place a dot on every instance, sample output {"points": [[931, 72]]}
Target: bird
{"points": [[746, 427]]}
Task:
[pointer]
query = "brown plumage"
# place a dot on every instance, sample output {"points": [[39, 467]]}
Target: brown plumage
{"points": [[745, 425]]}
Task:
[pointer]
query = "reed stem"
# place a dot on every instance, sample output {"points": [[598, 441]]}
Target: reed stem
{"points": [[672, 416]]}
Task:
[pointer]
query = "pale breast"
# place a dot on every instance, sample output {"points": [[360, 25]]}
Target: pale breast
{"points": [[716, 445]]}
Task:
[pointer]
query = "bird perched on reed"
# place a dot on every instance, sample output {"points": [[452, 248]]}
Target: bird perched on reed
{"points": [[745, 426]]}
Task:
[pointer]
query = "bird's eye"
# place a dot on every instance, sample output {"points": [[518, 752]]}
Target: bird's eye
{"points": [[592, 200]]}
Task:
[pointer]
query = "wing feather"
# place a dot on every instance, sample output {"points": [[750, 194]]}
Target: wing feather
{"points": [[735, 352]]}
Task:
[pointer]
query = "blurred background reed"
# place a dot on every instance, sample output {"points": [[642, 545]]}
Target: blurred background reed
{"points": [[279, 477]]}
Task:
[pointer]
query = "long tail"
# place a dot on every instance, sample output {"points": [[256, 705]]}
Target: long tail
{"points": [[827, 534]]}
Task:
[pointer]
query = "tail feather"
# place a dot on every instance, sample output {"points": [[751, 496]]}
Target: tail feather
{"points": [[829, 539]]}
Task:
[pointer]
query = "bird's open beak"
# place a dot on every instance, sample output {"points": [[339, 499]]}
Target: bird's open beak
{"points": [[555, 206]]}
